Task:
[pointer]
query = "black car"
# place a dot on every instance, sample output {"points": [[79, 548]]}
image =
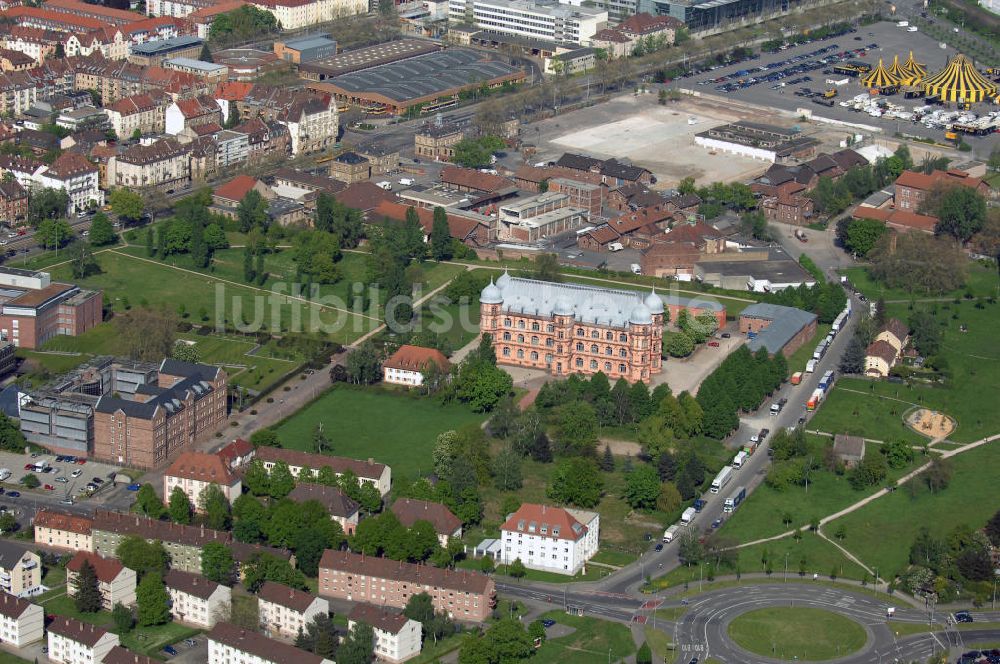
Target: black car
{"points": [[726, 335], [548, 622], [97, 480], [963, 617], [658, 547]]}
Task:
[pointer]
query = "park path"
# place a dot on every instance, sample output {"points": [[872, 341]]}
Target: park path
{"points": [[875, 496]]}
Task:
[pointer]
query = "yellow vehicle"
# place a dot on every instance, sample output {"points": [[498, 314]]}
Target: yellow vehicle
{"points": [[951, 135], [106, 208], [830, 94]]}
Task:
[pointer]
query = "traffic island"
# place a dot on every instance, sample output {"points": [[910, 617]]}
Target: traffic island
{"points": [[797, 633]]}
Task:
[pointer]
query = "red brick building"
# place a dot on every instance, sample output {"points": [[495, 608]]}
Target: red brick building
{"points": [[35, 309], [464, 595], [776, 328], [912, 187], [188, 402], [13, 202], [788, 209]]}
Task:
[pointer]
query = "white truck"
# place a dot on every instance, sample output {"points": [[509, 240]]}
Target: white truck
{"points": [[688, 516], [4, 474], [739, 460], [811, 366], [406, 182], [669, 533], [722, 479], [385, 185]]}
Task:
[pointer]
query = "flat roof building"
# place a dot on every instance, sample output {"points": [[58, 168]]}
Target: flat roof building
{"points": [[776, 328], [156, 51], [324, 67], [547, 21], [305, 49]]}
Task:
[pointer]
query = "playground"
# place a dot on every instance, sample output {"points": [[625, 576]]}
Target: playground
{"points": [[930, 423]]}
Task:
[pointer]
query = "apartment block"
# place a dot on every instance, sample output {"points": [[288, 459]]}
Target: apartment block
{"points": [[20, 570], [59, 530], [35, 308], [342, 509], [551, 539], [397, 638], [368, 471], [463, 595], [115, 581], [193, 472], [183, 543], [21, 622], [75, 642], [229, 644], [285, 611], [195, 600]]}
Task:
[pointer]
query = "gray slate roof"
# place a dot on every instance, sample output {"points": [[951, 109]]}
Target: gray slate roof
{"points": [[10, 554], [786, 322]]}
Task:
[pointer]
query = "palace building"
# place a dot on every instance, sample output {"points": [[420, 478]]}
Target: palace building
{"points": [[571, 328]]}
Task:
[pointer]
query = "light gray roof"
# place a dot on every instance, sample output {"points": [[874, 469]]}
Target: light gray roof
{"points": [[587, 304], [10, 554], [786, 322], [303, 43]]}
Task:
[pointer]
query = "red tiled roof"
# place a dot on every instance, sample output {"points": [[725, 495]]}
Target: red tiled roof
{"points": [[236, 189], [332, 498], [415, 358], [610, 35], [897, 328], [923, 182], [557, 522], [201, 467], [71, 164], [120, 655], [215, 10], [382, 568], [363, 196], [190, 584], [459, 227], [107, 569], [47, 518], [69, 20], [363, 469], [234, 450], [264, 648], [233, 90], [882, 349], [473, 179], [11, 606], [75, 630], [379, 617], [410, 510], [194, 107], [902, 219]]}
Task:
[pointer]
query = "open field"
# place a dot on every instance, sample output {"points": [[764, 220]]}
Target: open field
{"points": [[880, 533], [798, 360], [658, 137], [797, 633], [982, 281], [396, 429], [593, 641]]}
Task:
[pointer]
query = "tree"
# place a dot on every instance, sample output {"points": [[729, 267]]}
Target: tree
{"points": [[541, 450], [363, 365], [152, 601], [252, 212], [476, 152], [925, 332], [992, 529], [144, 557], [180, 506], [679, 344], [669, 498], [206, 55], [547, 268], [265, 567], [46, 203], [517, 569], [918, 263], [53, 233], [149, 503], [85, 585], [122, 616], [359, 645], [576, 428], [869, 472], [690, 550], [217, 563], [961, 213], [644, 655], [642, 487], [897, 453], [853, 359], [145, 333], [101, 231], [31, 481], [507, 470], [281, 481], [607, 463], [576, 481], [938, 475], [440, 238], [82, 259], [863, 234], [213, 502], [127, 204]]}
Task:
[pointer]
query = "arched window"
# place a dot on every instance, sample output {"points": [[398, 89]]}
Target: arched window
{"points": [[520, 324], [506, 336], [549, 343], [579, 332], [594, 334], [520, 353], [609, 335], [550, 328], [506, 322], [623, 353], [579, 362], [506, 352], [548, 358], [593, 364], [607, 366], [623, 337], [593, 348], [520, 338], [535, 327], [534, 341], [534, 356], [621, 368], [608, 350], [579, 347]]}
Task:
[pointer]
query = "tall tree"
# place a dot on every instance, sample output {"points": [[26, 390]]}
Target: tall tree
{"points": [[217, 563], [101, 230], [180, 506], [213, 502], [85, 585], [152, 600], [440, 237]]}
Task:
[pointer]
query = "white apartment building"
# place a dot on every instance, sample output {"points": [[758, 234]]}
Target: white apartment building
{"points": [[163, 163], [143, 112], [77, 176], [551, 539], [229, 644], [75, 642], [21, 622], [195, 600], [284, 610], [20, 570], [234, 148], [110, 43], [295, 14], [312, 123], [397, 638], [115, 582], [549, 21], [63, 531], [193, 472]]}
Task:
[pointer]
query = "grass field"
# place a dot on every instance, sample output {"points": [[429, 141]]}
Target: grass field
{"points": [[593, 641], [40, 366], [877, 412], [982, 281], [396, 429], [799, 633], [797, 362], [880, 533]]}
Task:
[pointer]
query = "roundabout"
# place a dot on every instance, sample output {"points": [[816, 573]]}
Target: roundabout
{"points": [[797, 633]]}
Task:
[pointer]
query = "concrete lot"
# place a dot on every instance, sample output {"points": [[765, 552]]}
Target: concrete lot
{"points": [[659, 138], [891, 41], [75, 485]]}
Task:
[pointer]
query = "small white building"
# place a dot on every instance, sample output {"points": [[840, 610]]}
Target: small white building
{"points": [[21, 622], [229, 644], [195, 600], [284, 611], [193, 472], [408, 365], [75, 175], [397, 638], [115, 582], [75, 642], [550, 539]]}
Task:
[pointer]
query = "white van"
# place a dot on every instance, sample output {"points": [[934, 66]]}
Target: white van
{"points": [[4, 474], [636, 268], [668, 534], [385, 185], [406, 182], [615, 246], [810, 366]]}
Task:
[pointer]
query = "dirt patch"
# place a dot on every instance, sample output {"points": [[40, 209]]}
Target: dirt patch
{"points": [[930, 423], [620, 447]]}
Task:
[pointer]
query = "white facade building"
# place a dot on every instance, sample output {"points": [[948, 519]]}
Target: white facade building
{"points": [[551, 539], [75, 175], [397, 638], [74, 642], [229, 644], [195, 600], [285, 611], [296, 14], [533, 20], [21, 622]]}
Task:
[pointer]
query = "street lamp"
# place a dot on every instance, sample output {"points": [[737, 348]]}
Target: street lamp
{"points": [[786, 567]]}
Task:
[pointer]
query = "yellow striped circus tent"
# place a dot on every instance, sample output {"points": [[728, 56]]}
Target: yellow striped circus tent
{"points": [[896, 70], [915, 72], [959, 81], [879, 78]]}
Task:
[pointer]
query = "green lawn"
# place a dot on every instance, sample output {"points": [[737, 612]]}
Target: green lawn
{"points": [[396, 429], [150, 640], [659, 643], [797, 633], [100, 340], [798, 360], [880, 533], [981, 280], [877, 412], [254, 372], [38, 367], [593, 641], [64, 605], [7, 658]]}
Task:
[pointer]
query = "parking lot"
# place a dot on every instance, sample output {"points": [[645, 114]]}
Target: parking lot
{"points": [[60, 478], [796, 78]]}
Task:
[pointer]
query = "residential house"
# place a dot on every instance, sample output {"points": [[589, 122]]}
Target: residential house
{"points": [[75, 642], [295, 14], [164, 164], [312, 122], [880, 356], [350, 167], [120, 655], [244, 553], [850, 450], [11, 60], [77, 176], [183, 543], [408, 365], [21, 622], [187, 403], [788, 209], [636, 228], [115, 582], [446, 524], [190, 113], [195, 600], [60, 530], [551, 539], [468, 227], [285, 611], [342, 508], [264, 139], [370, 472], [142, 113], [298, 185], [237, 454], [20, 570], [384, 159], [229, 644], [462, 594], [895, 332], [637, 32], [397, 638], [234, 148], [193, 472], [912, 187], [13, 202], [226, 197]]}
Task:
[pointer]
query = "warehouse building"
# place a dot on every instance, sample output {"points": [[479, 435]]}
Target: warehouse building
{"points": [[305, 49]]}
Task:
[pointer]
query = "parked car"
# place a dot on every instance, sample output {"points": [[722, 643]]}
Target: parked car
{"points": [[548, 622], [659, 546], [134, 487], [97, 480], [13, 494], [49, 487], [170, 650], [62, 480], [713, 344], [76, 473]]}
